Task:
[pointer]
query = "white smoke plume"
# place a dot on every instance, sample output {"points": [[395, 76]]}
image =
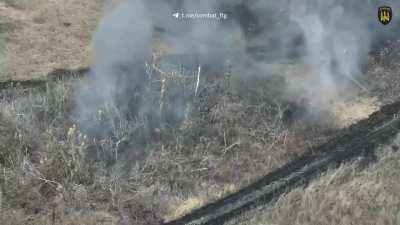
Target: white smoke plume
{"points": [[332, 37]]}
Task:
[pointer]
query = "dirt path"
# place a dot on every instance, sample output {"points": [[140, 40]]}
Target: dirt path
{"points": [[358, 140]]}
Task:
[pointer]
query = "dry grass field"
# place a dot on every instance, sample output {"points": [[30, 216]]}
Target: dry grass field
{"points": [[343, 196], [43, 35], [55, 171]]}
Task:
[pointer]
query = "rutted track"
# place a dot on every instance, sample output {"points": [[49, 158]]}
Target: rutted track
{"points": [[360, 139]]}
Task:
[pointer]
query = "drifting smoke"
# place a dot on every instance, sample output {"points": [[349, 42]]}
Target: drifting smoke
{"points": [[337, 41], [332, 37]]}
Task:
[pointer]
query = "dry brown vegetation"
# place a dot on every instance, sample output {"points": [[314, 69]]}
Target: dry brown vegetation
{"points": [[44, 35], [343, 196], [55, 171]]}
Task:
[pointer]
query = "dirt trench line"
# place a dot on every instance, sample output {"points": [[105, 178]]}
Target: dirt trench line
{"points": [[360, 139], [56, 74]]}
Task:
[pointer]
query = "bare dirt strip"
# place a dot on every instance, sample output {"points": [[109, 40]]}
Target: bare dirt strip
{"points": [[358, 140]]}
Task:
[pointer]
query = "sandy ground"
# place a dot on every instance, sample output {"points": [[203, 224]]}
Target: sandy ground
{"points": [[47, 34]]}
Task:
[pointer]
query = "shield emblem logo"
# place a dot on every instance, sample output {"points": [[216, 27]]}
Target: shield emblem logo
{"points": [[385, 14]]}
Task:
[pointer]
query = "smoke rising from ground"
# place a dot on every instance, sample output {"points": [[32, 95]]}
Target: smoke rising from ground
{"points": [[337, 40], [332, 38]]}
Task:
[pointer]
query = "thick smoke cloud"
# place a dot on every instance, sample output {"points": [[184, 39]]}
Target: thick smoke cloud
{"points": [[332, 37]]}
